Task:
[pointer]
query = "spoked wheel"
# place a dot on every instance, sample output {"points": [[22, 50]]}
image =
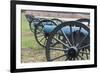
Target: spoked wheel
{"points": [[32, 25], [57, 21], [74, 44], [87, 21], [40, 36]]}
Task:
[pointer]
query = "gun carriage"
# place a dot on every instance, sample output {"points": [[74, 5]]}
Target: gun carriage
{"points": [[70, 37]]}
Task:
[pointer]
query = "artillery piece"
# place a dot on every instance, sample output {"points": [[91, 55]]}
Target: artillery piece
{"points": [[36, 26], [72, 38]]}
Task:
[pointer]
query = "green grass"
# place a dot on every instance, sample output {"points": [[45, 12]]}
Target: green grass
{"points": [[27, 39]]}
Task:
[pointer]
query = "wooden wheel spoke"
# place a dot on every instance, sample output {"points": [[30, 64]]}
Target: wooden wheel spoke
{"points": [[72, 37], [40, 35], [73, 58], [45, 41], [70, 58], [84, 53], [77, 58], [42, 38], [82, 41], [78, 35], [84, 46], [67, 58], [81, 57], [58, 49], [61, 42], [57, 57], [66, 37], [39, 32], [54, 44]]}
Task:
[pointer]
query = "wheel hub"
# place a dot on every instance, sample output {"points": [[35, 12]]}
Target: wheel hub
{"points": [[72, 52]]}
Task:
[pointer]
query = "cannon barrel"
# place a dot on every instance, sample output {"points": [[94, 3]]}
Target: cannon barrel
{"points": [[49, 28]]}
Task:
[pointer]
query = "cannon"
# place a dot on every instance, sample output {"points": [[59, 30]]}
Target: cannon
{"points": [[36, 25], [70, 39], [33, 21], [73, 44]]}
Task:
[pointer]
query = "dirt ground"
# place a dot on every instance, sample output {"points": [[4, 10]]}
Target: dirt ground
{"points": [[29, 55]]}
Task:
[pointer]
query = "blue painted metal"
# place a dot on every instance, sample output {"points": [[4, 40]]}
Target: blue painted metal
{"points": [[36, 21], [66, 30], [48, 28]]}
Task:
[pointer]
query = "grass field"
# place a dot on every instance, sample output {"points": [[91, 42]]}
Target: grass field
{"points": [[31, 51], [28, 40]]}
